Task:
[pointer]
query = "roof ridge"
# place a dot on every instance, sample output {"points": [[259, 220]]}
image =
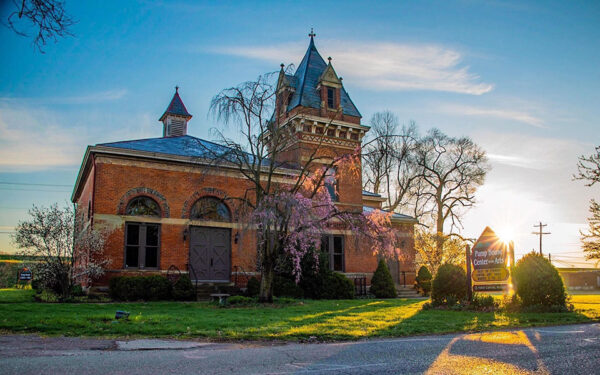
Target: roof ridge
{"points": [[143, 139]]}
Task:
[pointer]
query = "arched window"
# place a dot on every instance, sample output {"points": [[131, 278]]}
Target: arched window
{"points": [[143, 206], [210, 208]]}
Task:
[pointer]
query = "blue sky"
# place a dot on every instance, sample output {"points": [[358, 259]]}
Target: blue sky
{"points": [[520, 78]]}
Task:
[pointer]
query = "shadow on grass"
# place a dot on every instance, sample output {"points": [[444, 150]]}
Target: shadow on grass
{"points": [[448, 321], [323, 320]]}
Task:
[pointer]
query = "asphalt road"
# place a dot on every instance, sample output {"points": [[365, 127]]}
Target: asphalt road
{"points": [[573, 349]]}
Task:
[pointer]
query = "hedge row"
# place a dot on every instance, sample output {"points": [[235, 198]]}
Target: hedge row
{"points": [[151, 288]]}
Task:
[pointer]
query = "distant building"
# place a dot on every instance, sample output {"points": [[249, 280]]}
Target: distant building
{"points": [[580, 278], [169, 206]]}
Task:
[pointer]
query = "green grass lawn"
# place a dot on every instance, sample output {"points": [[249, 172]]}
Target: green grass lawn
{"points": [[327, 320]]}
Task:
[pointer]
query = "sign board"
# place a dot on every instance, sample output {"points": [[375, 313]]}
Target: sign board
{"points": [[490, 274], [489, 251], [490, 287], [25, 274], [489, 259]]}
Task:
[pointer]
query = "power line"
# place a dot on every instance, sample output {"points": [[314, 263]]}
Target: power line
{"points": [[540, 233]]}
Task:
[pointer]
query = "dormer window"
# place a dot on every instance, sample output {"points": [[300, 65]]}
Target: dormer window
{"points": [[330, 97]]}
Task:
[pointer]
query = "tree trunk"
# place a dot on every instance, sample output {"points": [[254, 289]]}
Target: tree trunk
{"points": [[440, 225], [266, 285]]}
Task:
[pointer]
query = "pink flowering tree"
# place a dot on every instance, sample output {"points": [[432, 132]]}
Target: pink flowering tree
{"points": [[287, 207]]}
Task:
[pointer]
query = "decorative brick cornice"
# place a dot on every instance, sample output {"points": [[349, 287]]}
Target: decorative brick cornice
{"points": [[144, 191]]}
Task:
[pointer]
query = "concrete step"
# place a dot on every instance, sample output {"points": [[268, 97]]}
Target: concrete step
{"points": [[407, 292]]}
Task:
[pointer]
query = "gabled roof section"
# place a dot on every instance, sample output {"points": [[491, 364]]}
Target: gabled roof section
{"points": [[176, 107], [329, 75], [306, 80]]}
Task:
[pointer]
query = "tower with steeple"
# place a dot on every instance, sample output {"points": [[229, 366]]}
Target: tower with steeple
{"points": [[175, 118], [315, 106]]}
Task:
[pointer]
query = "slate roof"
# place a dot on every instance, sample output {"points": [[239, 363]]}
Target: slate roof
{"points": [[370, 194], [395, 215], [306, 79], [187, 146], [176, 107]]}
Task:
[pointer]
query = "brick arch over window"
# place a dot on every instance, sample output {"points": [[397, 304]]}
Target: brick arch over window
{"points": [[144, 191], [206, 192]]}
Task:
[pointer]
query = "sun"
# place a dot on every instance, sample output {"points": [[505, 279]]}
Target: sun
{"points": [[506, 234]]}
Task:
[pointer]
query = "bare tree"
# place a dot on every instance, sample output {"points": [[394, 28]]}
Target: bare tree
{"points": [[430, 255], [69, 252], [48, 18], [388, 161], [451, 170], [288, 206], [589, 170]]}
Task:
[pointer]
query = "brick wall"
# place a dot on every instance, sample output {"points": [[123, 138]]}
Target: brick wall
{"points": [[176, 188]]}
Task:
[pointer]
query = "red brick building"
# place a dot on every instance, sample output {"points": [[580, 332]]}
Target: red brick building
{"points": [[167, 204]]}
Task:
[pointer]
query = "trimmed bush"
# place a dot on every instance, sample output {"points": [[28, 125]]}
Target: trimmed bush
{"points": [[382, 284], [316, 282], [483, 303], [140, 288], [449, 285], [252, 287], [538, 284], [157, 288], [334, 285], [326, 284], [183, 289], [424, 280], [286, 287]]}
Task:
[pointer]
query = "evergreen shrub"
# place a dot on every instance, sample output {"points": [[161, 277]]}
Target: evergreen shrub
{"points": [[424, 280], [538, 284], [286, 287], [382, 284], [449, 285], [140, 288], [252, 287], [334, 285], [183, 289]]}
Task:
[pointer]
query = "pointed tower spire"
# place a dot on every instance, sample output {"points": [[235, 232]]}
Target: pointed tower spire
{"points": [[175, 118]]}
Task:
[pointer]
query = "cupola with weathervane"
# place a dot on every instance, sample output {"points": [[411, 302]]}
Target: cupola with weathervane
{"points": [[175, 118]]}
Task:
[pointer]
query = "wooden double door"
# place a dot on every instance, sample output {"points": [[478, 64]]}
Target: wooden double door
{"points": [[210, 254]]}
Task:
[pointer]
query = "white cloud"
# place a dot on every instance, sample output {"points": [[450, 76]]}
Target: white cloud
{"points": [[507, 114], [34, 138], [382, 66]]}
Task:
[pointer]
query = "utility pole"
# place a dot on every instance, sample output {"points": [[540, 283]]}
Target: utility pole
{"points": [[540, 226]]}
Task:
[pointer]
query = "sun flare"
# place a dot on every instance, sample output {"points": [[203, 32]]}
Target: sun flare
{"points": [[506, 234]]}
